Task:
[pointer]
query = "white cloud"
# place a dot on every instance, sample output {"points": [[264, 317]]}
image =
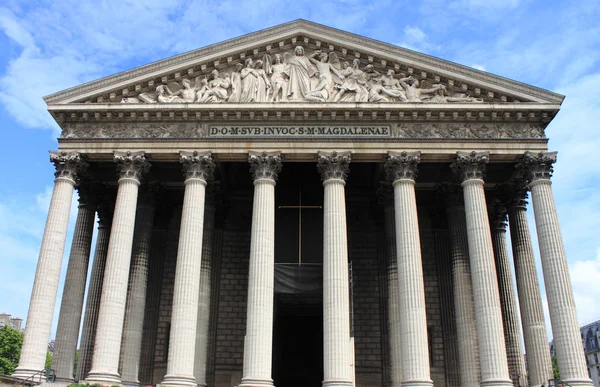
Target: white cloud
{"points": [[585, 275], [478, 67]]}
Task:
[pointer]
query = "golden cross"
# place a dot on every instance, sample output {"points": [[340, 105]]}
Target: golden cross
{"points": [[299, 207]]}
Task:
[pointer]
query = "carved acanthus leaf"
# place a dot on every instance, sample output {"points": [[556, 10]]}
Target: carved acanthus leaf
{"points": [[131, 165], [265, 165], [468, 166], [69, 165], [537, 166], [402, 165], [197, 165], [333, 165]]}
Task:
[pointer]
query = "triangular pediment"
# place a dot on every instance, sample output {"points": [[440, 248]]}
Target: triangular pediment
{"points": [[266, 67]]}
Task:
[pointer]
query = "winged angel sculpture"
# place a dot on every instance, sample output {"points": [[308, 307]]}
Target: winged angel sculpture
{"points": [[297, 77]]}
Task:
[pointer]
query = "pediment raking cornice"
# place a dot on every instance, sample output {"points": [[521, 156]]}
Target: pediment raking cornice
{"points": [[310, 35]]}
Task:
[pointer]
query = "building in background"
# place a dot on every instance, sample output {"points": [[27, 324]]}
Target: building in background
{"points": [[14, 322]]}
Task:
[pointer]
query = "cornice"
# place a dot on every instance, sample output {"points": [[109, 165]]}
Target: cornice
{"points": [[313, 30], [332, 112]]}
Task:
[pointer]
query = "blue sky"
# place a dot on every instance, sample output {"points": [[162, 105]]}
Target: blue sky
{"points": [[47, 46]]}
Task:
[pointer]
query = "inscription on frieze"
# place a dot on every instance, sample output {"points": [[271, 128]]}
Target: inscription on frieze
{"points": [[456, 131], [298, 131]]}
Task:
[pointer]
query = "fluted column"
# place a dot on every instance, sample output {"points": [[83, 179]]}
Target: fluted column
{"points": [[334, 168], [45, 285], [393, 301], [539, 364], [204, 294], [466, 328], [510, 318], [490, 334], [402, 171], [92, 306], [107, 347], [67, 332], [559, 292], [258, 343], [198, 168], [155, 273], [131, 345]]}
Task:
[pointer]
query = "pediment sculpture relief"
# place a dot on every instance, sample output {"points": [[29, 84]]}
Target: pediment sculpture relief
{"points": [[296, 77]]}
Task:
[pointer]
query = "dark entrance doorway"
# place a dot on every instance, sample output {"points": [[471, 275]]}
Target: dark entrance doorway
{"points": [[298, 344], [298, 314]]}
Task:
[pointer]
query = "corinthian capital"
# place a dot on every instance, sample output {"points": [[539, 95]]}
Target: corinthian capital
{"points": [[197, 165], [333, 165], [469, 166], [265, 165], [131, 165], [69, 165], [402, 165], [497, 215], [537, 166]]}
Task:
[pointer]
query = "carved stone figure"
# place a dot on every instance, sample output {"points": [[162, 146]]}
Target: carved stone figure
{"points": [[278, 78], [298, 70], [321, 91], [379, 93], [393, 86], [355, 83], [249, 82], [328, 65], [236, 84], [263, 84], [413, 92], [440, 96], [217, 88]]}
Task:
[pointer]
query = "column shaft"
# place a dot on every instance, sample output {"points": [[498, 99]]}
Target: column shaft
{"points": [[336, 307], [394, 315], [131, 345], [198, 169], [510, 319], [67, 332], [466, 328], [111, 314], [45, 285], [402, 170], [92, 306], [157, 257], [488, 313], [337, 352], [204, 295], [539, 365], [559, 292], [411, 288], [258, 343]]}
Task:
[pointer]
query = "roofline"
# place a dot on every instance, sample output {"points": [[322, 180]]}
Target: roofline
{"points": [[422, 60]]}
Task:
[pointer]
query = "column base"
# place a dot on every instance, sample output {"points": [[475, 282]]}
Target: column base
{"points": [[179, 380], [579, 382], [64, 380], [338, 383], [418, 383], [130, 383], [256, 382], [26, 373], [103, 378], [497, 383]]}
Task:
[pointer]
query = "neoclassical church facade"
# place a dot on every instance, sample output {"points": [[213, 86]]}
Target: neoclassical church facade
{"points": [[302, 206]]}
